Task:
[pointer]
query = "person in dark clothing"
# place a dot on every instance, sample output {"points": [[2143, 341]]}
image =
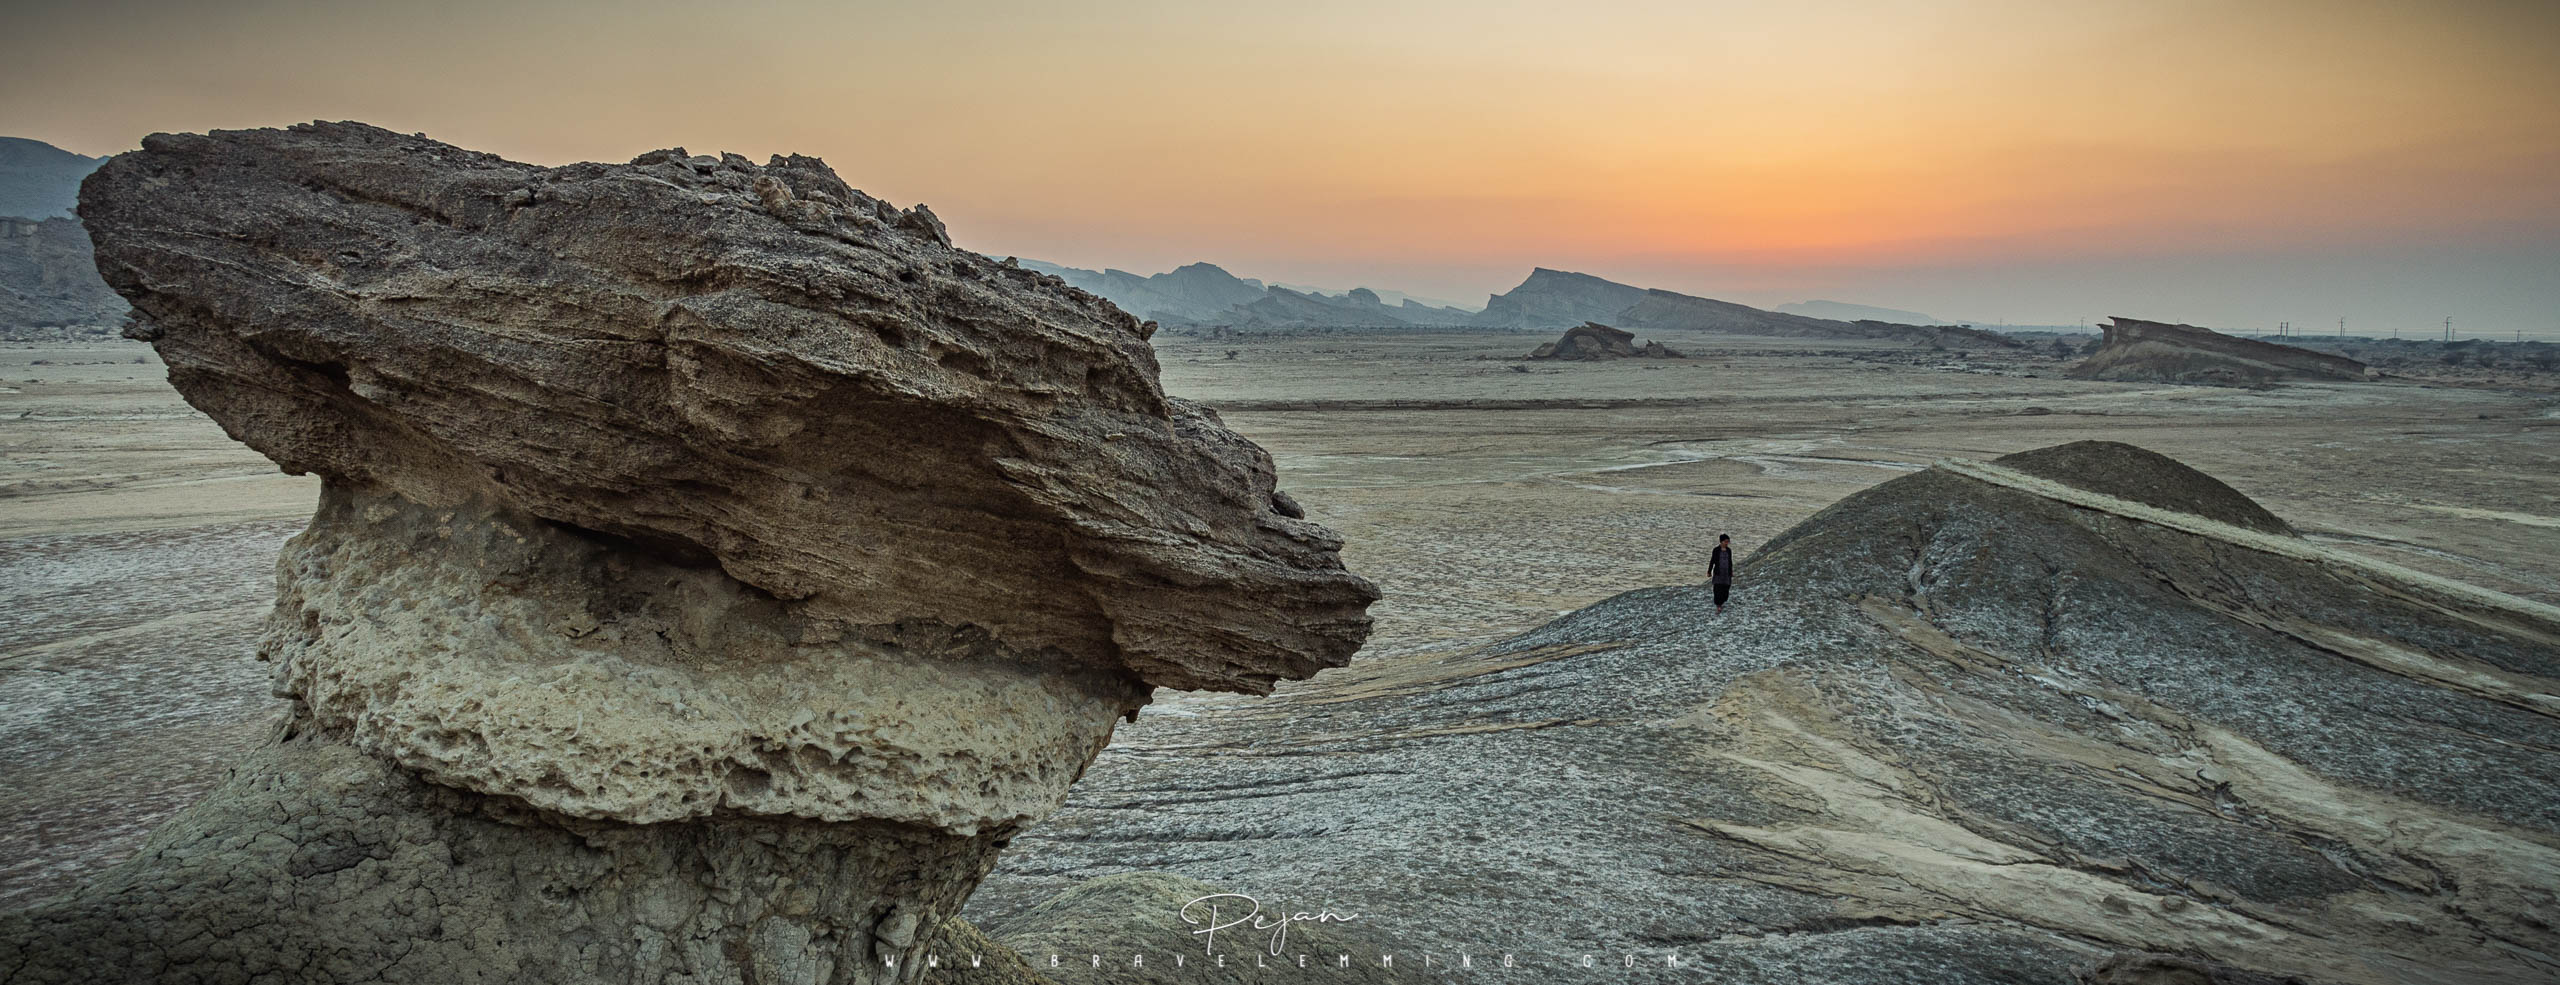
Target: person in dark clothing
{"points": [[1720, 569]]}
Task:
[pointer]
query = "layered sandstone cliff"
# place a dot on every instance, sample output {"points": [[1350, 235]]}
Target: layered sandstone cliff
{"points": [[2133, 349]]}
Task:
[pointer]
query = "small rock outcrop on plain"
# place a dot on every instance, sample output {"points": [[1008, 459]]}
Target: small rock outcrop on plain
{"points": [[2149, 351], [714, 567], [1592, 340], [2081, 713]]}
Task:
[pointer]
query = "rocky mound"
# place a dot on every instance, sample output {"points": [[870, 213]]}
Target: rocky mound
{"points": [[2137, 350], [2117, 469], [1972, 724], [49, 286], [714, 567], [1592, 340]]}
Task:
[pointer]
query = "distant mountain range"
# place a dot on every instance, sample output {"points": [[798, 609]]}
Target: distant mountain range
{"points": [[49, 286], [1204, 294]]}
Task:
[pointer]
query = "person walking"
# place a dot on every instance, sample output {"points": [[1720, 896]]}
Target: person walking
{"points": [[1720, 569]]}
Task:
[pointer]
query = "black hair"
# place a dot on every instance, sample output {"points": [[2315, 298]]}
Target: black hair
{"points": [[1724, 536]]}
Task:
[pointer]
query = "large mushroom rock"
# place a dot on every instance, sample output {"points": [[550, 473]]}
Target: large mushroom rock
{"points": [[714, 567], [2133, 349]]}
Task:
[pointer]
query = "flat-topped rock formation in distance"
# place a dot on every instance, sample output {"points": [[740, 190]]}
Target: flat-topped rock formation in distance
{"points": [[713, 567], [1592, 340], [2149, 351]]}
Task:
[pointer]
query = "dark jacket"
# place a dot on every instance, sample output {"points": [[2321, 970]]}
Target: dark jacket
{"points": [[1720, 567]]}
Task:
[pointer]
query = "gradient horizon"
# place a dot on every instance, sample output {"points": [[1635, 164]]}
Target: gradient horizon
{"points": [[2222, 164]]}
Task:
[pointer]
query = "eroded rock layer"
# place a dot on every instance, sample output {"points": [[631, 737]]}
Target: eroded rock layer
{"points": [[2082, 713], [714, 567], [2133, 349]]}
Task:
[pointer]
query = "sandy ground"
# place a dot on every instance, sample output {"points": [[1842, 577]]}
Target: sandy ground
{"points": [[1484, 495]]}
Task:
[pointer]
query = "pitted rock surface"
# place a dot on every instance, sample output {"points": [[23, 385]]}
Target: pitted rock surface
{"points": [[944, 501], [754, 367]]}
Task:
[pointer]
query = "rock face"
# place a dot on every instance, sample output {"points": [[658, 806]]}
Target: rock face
{"points": [[2148, 351], [714, 567], [1592, 340], [49, 286], [2078, 714]]}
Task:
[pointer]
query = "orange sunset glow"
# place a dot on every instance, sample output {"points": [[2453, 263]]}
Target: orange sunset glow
{"points": [[2034, 162]]}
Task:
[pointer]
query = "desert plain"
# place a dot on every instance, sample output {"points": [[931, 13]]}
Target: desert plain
{"points": [[1485, 496]]}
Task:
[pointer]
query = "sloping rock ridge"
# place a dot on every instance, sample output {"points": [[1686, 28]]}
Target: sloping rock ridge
{"points": [[1558, 299], [716, 517], [2080, 714], [39, 180], [2149, 351], [49, 286]]}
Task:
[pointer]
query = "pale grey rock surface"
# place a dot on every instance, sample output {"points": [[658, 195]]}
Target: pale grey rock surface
{"points": [[1952, 729], [1158, 928]]}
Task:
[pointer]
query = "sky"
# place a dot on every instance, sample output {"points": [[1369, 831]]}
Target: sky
{"points": [[2224, 163]]}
